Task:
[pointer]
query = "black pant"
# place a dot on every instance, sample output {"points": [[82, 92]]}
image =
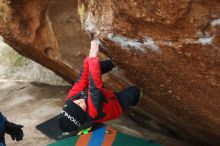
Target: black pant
{"points": [[129, 96], [106, 66]]}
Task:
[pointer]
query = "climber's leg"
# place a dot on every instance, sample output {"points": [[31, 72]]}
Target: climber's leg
{"points": [[129, 96], [106, 66]]}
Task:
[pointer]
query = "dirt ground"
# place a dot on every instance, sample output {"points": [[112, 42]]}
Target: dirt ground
{"points": [[32, 103], [29, 105]]}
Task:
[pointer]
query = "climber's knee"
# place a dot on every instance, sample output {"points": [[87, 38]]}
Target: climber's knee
{"points": [[135, 93]]}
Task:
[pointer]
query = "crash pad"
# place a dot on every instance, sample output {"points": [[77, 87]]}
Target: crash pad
{"points": [[104, 136], [50, 128]]}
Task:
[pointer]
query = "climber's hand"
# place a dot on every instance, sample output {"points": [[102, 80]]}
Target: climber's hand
{"points": [[14, 130], [94, 49]]}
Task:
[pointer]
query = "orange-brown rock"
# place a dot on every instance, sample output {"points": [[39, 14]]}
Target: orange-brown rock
{"points": [[169, 48], [48, 32]]}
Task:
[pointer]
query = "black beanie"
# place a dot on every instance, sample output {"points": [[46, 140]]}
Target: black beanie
{"points": [[72, 117]]}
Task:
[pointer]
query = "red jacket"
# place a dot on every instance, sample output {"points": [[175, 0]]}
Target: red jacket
{"points": [[102, 104]]}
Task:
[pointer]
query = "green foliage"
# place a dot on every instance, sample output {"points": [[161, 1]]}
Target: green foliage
{"points": [[13, 66], [4, 9], [12, 58], [81, 9]]}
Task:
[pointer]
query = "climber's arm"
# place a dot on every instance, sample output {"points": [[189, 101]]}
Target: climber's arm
{"points": [[81, 82], [95, 95]]}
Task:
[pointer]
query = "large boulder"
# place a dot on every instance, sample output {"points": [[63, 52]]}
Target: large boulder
{"points": [[171, 49]]}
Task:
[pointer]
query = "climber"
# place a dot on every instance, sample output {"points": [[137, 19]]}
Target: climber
{"points": [[89, 101], [10, 128]]}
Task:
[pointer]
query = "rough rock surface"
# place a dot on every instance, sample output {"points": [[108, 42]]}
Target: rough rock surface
{"points": [[169, 48]]}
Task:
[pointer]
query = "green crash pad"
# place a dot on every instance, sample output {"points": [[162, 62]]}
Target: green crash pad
{"points": [[104, 136]]}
